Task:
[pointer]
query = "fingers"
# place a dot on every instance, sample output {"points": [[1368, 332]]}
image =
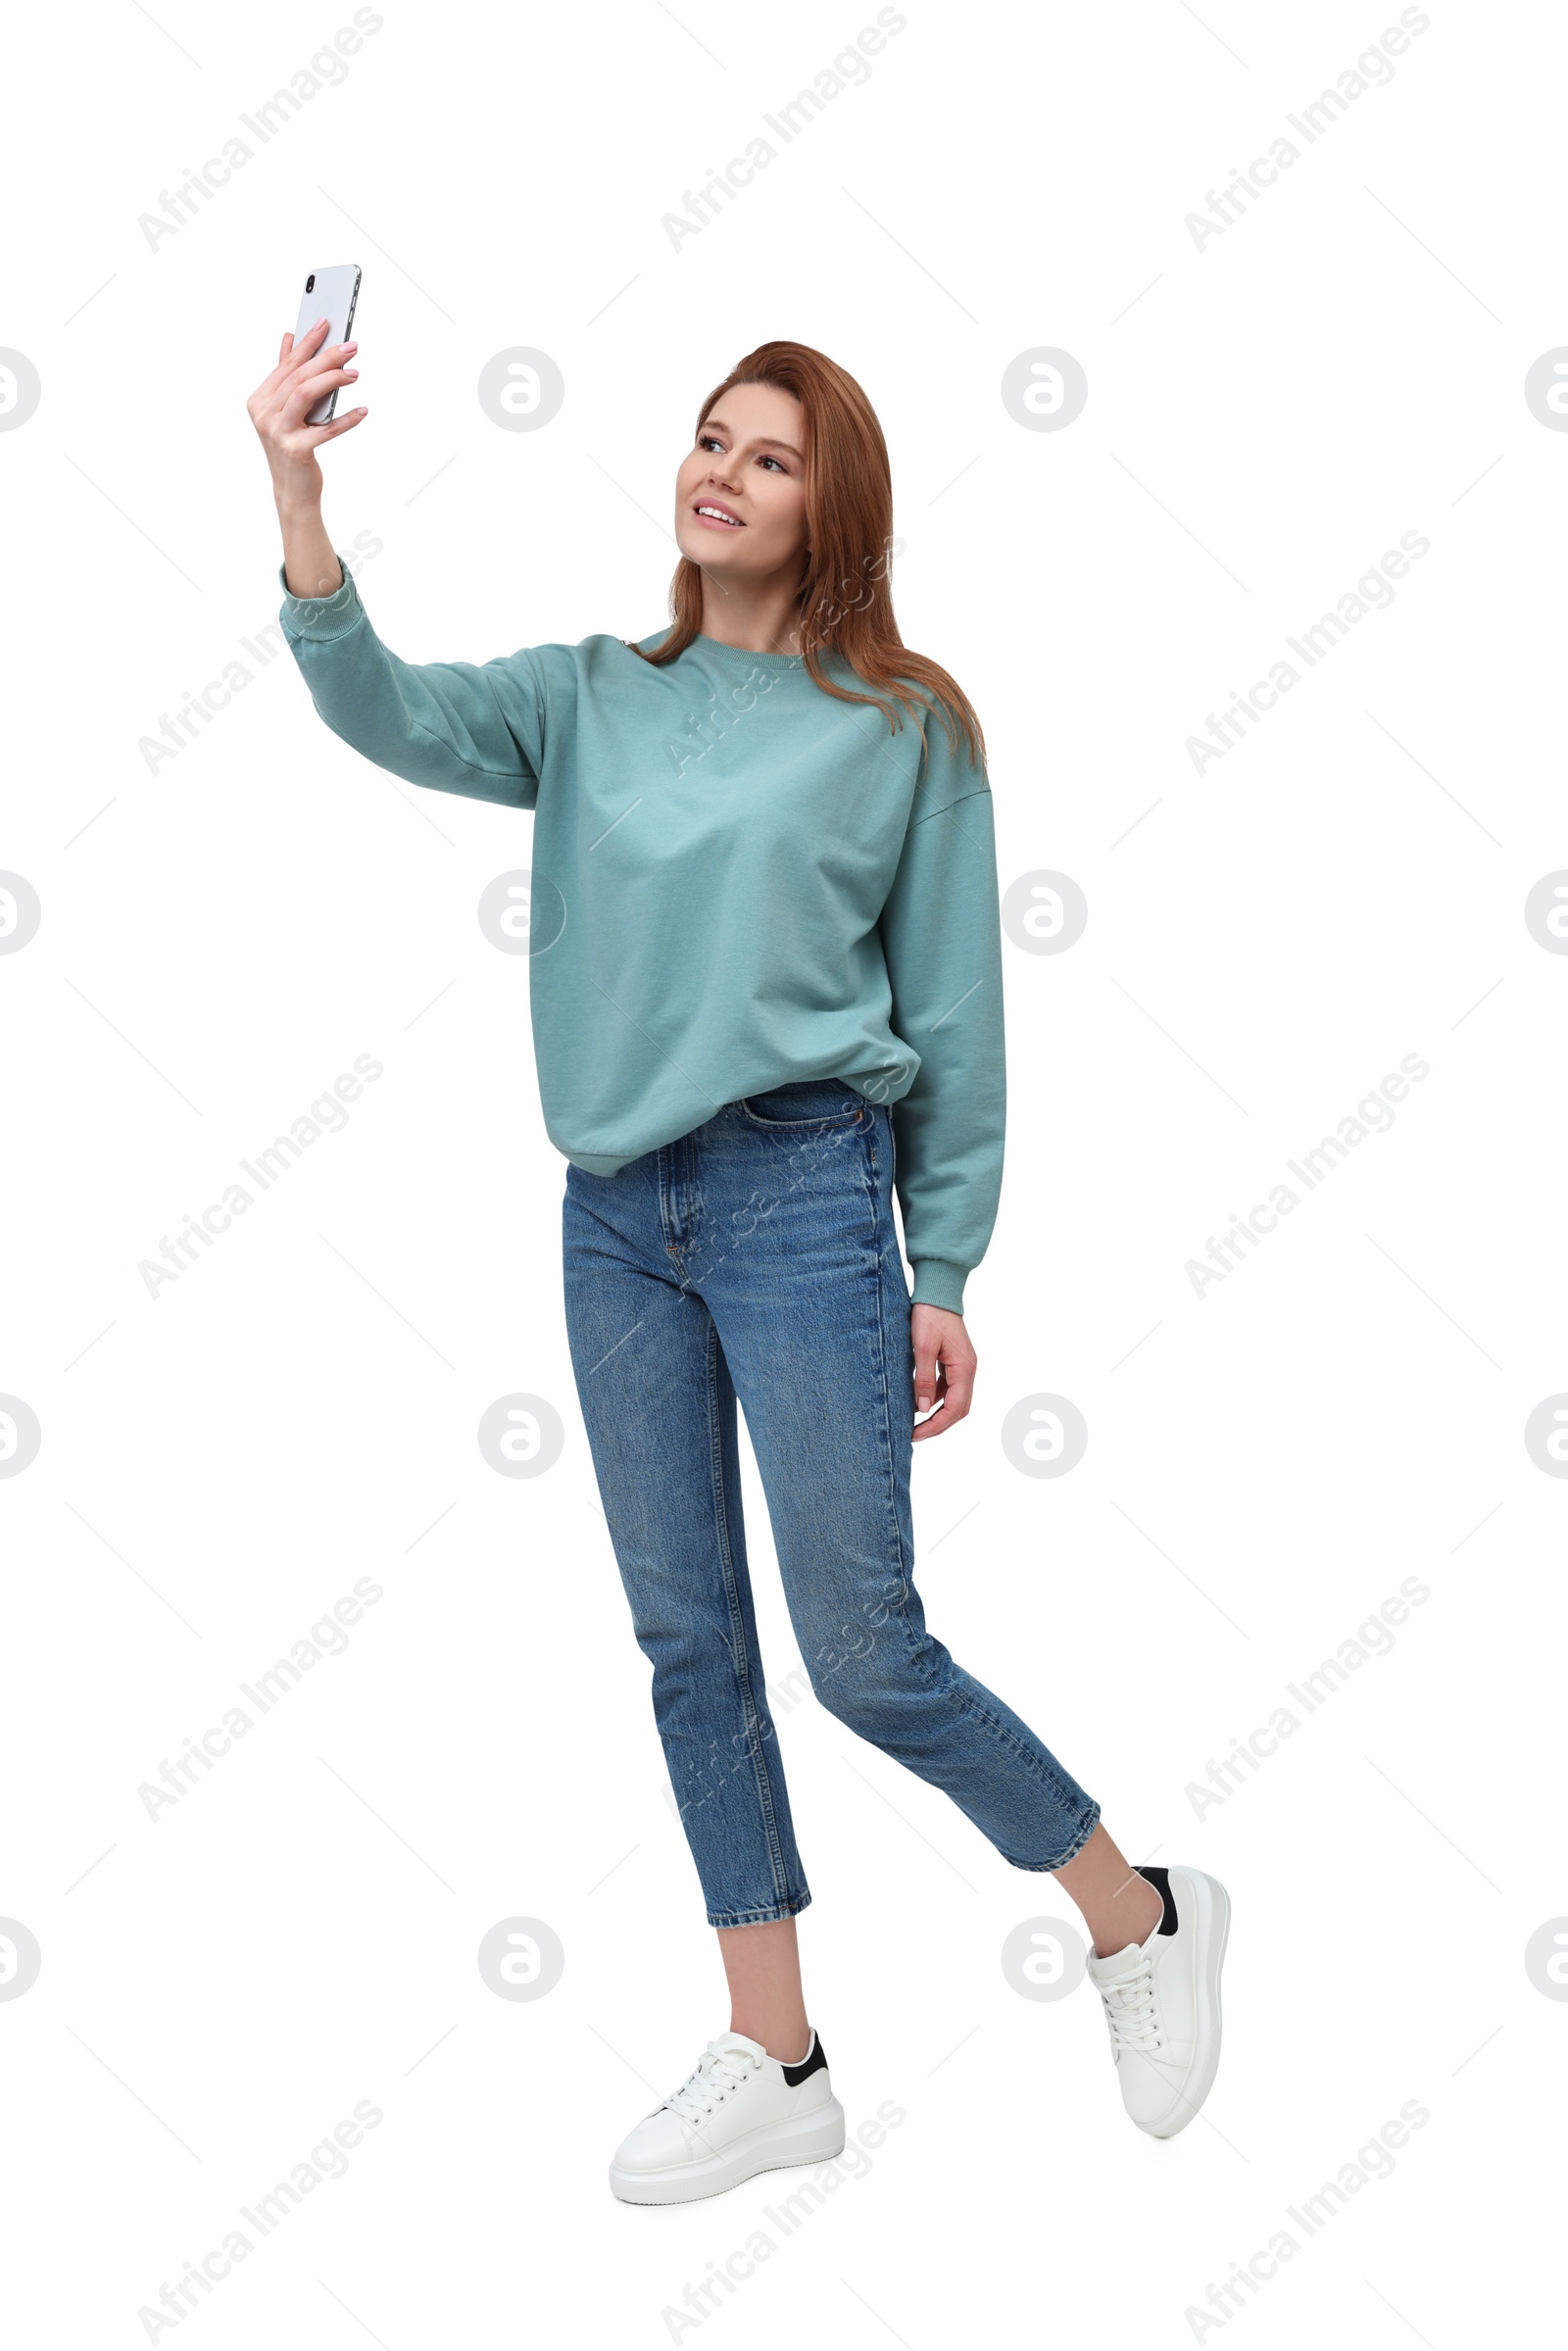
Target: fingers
{"points": [[297, 349], [311, 339], [931, 1427], [293, 357], [313, 350], [269, 385], [310, 387], [945, 1366], [307, 391], [318, 366], [958, 1381], [925, 1346], [329, 433], [953, 1403]]}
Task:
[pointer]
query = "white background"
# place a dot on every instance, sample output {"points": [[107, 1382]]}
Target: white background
{"points": [[1265, 1464]]}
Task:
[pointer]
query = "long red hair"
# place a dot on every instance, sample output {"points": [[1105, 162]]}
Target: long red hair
{"points": [[844, 604]]}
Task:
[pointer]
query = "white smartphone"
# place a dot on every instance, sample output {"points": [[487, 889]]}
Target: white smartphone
{"points": [[329, 294]]}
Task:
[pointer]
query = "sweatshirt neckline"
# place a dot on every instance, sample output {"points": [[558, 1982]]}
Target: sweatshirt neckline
{"points": [[737, 656], [740, 653]]}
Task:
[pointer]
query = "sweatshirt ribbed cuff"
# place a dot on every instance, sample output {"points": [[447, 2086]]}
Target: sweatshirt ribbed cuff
{"points": [[938, 1284], [322, 616]]}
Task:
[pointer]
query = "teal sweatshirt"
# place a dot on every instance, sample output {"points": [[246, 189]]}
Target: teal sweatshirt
{"points": [[736, 882]]}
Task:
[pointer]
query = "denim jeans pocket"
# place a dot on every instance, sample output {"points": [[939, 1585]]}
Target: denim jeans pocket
{"points": [[814, 1102]]}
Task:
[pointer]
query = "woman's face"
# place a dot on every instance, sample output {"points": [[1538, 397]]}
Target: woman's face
{"points": [[740, 497]]}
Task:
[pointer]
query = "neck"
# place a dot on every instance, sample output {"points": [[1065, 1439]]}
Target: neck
{"points": [[752, 616]]}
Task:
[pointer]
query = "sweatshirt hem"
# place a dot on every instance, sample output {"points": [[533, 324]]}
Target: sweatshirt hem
{"points": [[599, 1163]]}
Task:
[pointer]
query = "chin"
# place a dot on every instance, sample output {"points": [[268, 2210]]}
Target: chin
{"points": [[704, 548]]}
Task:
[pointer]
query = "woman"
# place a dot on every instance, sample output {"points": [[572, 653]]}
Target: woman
{"points": [[766, 991]]}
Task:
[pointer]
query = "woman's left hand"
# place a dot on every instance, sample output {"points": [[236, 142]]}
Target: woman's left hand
{"points": [[943, 1368]]}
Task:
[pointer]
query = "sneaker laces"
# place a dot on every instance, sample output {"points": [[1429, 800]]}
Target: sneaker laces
{"points": [[1131, 2009], [720, 2070]]}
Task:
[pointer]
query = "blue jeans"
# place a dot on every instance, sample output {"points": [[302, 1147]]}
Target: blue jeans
{"points": [[756, 1257]]}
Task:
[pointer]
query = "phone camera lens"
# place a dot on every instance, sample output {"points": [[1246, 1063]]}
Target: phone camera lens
{"points": [[310, 282]]}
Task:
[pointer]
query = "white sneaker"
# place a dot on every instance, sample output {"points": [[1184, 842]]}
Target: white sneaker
{"points": [[739, 2111], [1162, 2002]]}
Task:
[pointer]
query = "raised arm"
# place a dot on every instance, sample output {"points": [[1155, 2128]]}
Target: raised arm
{"points": [[453, 726], [277, 408]]}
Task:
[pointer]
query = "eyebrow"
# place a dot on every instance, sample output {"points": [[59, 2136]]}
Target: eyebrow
{"points": [[717, 425]]}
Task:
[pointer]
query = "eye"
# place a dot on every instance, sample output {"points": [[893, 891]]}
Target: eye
{"points": [[770, 459], [709, 440]]}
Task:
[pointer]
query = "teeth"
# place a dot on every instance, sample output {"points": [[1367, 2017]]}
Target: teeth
{"points": [[719, 515]]}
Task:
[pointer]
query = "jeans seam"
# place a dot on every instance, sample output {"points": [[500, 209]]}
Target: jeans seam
{"points": [[1004, 1737], [663, 1180], [789, 1126], [787, 1907], [694, 1196], [1088, 1823], [979, 1714], [740, 1654], [873, 1198]]}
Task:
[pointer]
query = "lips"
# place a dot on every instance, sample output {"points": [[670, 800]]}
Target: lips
{"points": [[716, 514]]}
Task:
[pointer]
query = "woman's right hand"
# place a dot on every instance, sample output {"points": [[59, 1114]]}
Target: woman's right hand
{"points": [[305, 370]]}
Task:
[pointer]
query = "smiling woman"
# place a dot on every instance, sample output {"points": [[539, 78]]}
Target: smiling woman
{"points": [[766, 1005]]}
